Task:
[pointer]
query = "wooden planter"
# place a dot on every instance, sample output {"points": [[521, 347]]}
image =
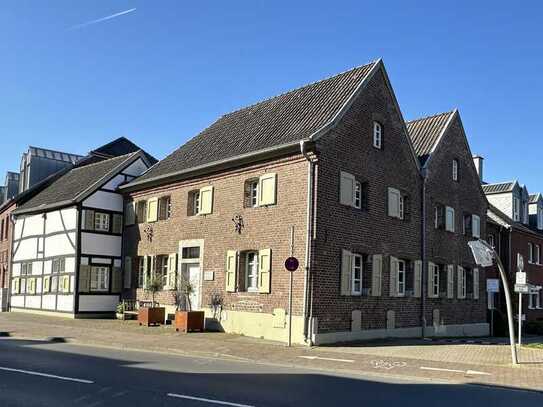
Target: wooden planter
{"points": [[151, 315], [189, 321]]}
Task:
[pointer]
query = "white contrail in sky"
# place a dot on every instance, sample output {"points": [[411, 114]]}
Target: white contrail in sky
{"points": [[121, 13]]}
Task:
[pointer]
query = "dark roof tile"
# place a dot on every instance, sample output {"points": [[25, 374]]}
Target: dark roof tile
{"points": [[425, 132], [499, 188]]}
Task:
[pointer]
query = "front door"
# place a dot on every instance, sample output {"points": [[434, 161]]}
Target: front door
{"points": [[193, 274]]}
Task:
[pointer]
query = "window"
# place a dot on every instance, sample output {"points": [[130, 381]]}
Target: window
{"points": [[194, 203], [530, 253], [534, 299], [251, 271], [491, 241], [352, 192], [476, 226], [251, 193], [439, 216], [141, 272], [101, 222], [357, 203], [59, 265], [539, 217], [162, 269], [455, 169], [191, 252], [433, 283], [537, 259], [377, 135], [141, 211], [516, 209], [450, 219], [99, 278], [26, 269], [356, 275], [468, 226], [2, 230], [461, 282], [164, 208], [401, 277], [396, 204]]}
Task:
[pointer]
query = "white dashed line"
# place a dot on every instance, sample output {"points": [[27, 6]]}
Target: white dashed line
{"points": [[469, 372], [329, 359], [51, 376], [224, 403]]}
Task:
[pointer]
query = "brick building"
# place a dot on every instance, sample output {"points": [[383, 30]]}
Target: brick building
{"points": [[5, 251], [331, 164]]}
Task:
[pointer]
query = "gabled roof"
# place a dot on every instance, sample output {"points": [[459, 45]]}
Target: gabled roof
{"points": [[426, 132], [53, 154], [280, 121], [76, 183], [501, 218], [534, 198], [499, 188], [116, 148]]}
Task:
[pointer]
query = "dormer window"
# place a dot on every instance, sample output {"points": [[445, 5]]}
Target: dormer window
{"points": [[455, 169], [377, 135], [540, 217]]}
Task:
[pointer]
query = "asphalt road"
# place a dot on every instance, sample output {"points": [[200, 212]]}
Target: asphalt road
{"points": [[34, 373]]}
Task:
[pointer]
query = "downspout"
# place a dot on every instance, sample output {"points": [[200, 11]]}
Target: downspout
{"points": [[307, 308], [424, 174]]}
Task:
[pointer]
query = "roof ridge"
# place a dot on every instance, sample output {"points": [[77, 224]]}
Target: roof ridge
{"points": [[103, 161], [500, 183], [430, 116], [54, 151], [300, 87]]}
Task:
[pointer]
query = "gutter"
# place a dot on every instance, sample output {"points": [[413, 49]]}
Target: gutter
{"points": [[308, 292], [424, 174]]}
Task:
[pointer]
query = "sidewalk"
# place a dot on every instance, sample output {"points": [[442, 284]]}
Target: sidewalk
{"points": [[413, 359]]}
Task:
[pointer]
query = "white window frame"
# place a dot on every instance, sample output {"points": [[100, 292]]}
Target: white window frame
{"points": [[530, 252], [462, 294], [377, 135], [539, 217], [534, 295], [516, 209], [435, 280], [476, 226], [101, 222], [195, 202], [102, 283], [455, 169], [395, 195], [401, 282], [356, 273], [251, 272], [253, 193], [537, 254], [357, 195], [450, 226]]}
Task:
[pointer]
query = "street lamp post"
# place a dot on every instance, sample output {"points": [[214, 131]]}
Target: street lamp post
{"points": [[484, 255]]}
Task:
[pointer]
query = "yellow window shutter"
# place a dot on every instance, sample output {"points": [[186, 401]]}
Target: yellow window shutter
{"points": [[418, 278], [376, 275], [450, 281], [264, 270], [46, 284], [152, 210], [16, 285], [30, 284], [84, 278], [475, 283], [172, 269], [231, 267], [346, 268], [206, 201], [393, 289], [267, 189]]}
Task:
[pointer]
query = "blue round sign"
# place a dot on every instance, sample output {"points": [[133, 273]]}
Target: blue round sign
{"points": [[292, 263]]}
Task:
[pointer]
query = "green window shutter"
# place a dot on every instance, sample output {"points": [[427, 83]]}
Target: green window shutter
{"points": [[84, 278], [117, 226], [88, 219], [116, 280]]}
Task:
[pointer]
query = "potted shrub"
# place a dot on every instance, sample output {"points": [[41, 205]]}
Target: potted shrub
{"points": [[187, 320], [120, 311], [151, 314]]}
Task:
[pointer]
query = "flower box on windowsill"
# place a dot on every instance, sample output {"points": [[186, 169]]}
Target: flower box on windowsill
{"points": [[189, 321]]}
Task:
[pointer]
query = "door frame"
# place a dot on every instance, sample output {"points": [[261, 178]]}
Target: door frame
{"points": [[181, 261]]}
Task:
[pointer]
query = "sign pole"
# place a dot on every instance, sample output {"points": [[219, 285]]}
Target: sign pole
{"points": [[519, 318], [290, 289]]}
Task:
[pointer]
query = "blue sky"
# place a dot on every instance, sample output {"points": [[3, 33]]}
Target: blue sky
{"points": [[164, 72]]}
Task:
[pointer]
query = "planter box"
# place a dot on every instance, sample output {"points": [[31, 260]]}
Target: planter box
{"points": [[151, 316], [189, 321]]}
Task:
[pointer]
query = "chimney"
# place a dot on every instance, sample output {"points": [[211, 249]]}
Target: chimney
{"points": [[478, 161]]}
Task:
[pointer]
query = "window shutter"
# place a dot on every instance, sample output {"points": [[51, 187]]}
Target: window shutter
{"points": [[430, 280], [440, 217], [450, 281], [146, 271], [117, 225], [418, 278], [231, 270], [264, 270], [393, 289], [84, 278], [129, 213], [406, 208], [475, 283], [116, 279], [88, 219], [364, 190], [393, 203], [172, 271], [16, 285], [206, 201], [459, 281], [376, 275], [128, 272], [346, 268], [31, 286], [267, 189], [346, 189], [65, 284], [46, 284], [152, 210]]}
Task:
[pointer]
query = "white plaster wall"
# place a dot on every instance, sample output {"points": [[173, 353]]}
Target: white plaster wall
{"points": [[105, 200], [33, 225], [136, 168], [65, 303], [97, 244], [504, 202], [54, 221], [36, 268], [15, 269], [17, 301], [33, 301], [59, 245], [25, 249], [48, 302], [98, 302]]}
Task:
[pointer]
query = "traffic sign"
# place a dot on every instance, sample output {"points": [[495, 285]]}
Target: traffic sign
{"points": [[522, 288], [492, 285], [520, 262], [520, 278], [292, 264]]}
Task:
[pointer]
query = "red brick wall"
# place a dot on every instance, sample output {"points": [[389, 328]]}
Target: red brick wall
{"points": [[5, 246]]}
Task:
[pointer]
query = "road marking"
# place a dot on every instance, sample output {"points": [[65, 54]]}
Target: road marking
{"points": [[329, 359], [469, 372], [387, 364], [224, 403], [51, 376]]}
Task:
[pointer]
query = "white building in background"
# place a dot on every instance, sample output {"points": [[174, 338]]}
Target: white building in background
{"points": [[67, 240]]}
